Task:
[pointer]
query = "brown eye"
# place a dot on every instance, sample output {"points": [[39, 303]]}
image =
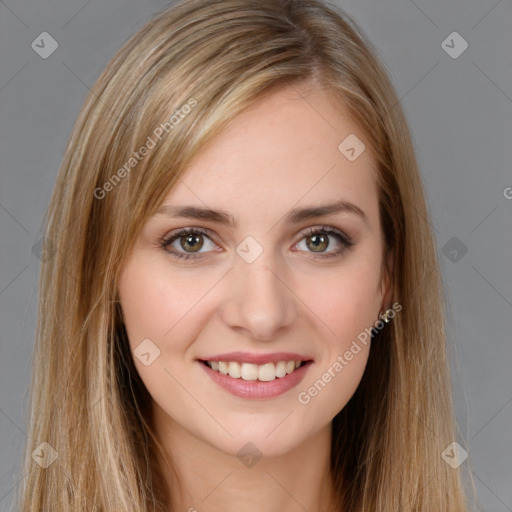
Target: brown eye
{"points": [[186, 242], [317, 243], [191, 241]]}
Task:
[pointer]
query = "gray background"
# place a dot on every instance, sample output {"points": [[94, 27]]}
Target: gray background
{"points": [[460, 114]]}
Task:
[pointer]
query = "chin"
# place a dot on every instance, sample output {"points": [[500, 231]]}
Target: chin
{"points": [[264, 438], [244, 447]]}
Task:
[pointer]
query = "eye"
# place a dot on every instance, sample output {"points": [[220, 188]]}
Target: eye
{"points": [[317, 241], [190, 241], [187, 239]]}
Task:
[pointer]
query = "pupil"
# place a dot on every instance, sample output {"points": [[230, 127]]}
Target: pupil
{"points": [[190, 240], [320, 240]]}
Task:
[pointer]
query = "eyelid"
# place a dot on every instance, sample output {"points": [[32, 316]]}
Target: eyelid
{"points": [[176, 233], [169, 238], [331, 230]]}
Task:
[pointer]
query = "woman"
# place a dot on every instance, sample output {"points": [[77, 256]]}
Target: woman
{"points": [[244, 306]]}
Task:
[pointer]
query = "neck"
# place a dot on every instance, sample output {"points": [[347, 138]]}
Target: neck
{"points": [[199, 477]]}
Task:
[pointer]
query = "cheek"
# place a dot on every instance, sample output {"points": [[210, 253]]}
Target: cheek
{"points": [[346, 300], [346, 305], [329, 389], [336, 375], [159, 306], [155, 302]]}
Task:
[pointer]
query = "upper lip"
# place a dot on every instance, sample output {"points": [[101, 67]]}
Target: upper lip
{"points": [[247, 357]]}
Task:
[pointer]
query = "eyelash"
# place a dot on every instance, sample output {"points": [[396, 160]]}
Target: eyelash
{"points": [[167, 240]]}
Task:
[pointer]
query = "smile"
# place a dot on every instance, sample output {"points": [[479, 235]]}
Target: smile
{"points": [[250, 380], [249, 371]]}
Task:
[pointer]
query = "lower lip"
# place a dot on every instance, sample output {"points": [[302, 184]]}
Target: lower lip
{"points": [[257, 388]]}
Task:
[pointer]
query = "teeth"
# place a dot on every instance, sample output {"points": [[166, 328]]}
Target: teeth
{"points": [[267, 372], [235, 370], [248, 371], [281, 369]]}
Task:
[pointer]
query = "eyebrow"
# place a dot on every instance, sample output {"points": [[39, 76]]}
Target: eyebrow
{"points": [[295, 216]]}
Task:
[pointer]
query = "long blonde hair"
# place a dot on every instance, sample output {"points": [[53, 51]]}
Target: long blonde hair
{"points": [[87, 400]]}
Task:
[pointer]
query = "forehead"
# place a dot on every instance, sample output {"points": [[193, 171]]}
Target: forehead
{"points": [[280, 152]]}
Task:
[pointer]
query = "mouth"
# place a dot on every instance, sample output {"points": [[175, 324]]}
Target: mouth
{"points": [[256, 381], [266, 372]]}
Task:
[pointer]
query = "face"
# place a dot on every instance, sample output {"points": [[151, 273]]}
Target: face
{"points": [[274, 286]]}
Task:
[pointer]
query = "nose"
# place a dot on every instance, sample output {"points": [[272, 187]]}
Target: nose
{"points": [[258, 300]]}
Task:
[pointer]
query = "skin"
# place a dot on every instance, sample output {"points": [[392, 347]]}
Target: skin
{"points": [[280, 153]]}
